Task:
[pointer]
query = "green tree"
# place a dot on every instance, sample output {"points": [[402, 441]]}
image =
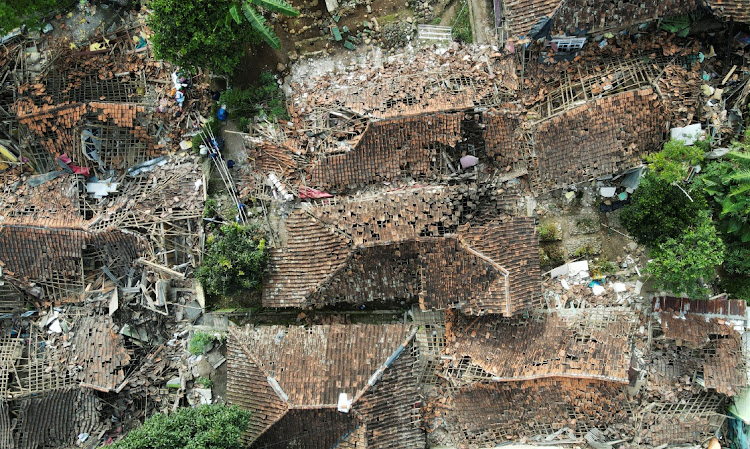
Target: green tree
{"points": [[204, 427], [14, 13], [234, 260], [659, 210], [195, 33], [250, 10], [684, 263]]}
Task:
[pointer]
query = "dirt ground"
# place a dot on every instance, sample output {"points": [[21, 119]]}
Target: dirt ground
{"points": [[482, 19], [310, 34]]}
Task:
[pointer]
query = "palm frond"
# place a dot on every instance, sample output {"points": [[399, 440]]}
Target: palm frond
{"points": [[740, 176], [739, 156], [259, 23], [279, 6], [741, 190], [235, 12]]}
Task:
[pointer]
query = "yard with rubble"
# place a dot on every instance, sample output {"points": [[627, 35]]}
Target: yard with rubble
{"points": [[410, 224]]}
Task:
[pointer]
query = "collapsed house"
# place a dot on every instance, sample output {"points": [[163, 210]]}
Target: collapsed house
{"points": [[523, 19], [395, 188], [410, 159], [64, 234], [326, 386], [411, 245], [100, 230], [598, 372]]}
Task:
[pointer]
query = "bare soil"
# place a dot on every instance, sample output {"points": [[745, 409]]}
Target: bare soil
{"points": [[305, 34]]}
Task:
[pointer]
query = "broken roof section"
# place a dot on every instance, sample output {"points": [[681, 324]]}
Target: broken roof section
{"points": [[710, 351], [53, 419], [87, 105], [161, 201], [601, 137], [53, 203], [335, 379], [737, 10], [52, 264], [486, 415], [590, 344], [406, 244], [426, 82]]}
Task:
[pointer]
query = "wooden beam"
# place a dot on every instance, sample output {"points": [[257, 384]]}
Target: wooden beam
{"points": [[161, 268]]}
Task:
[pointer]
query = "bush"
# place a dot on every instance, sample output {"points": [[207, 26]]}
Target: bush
{"points": [[737, 258], [205, 381], [684, 263], [548, 232], [660, 211], [213, 426], [210, 209], [462, 26], [200, 340], [585, 252], [738, 287], [727, 182], [673, 162], [267, 99], [234, 260]]}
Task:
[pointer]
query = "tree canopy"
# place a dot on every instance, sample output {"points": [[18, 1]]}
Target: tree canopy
{"points": [[14, 13], [204, 427], [659, 210], [683, 264], [199, 33]]}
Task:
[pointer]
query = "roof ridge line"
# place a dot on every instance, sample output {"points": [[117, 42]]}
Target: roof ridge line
{"points": [[280, 391], [502, 270], [388, 362]]}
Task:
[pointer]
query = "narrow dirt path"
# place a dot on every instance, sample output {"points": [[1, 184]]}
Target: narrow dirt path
{"points": [[482, 17]]}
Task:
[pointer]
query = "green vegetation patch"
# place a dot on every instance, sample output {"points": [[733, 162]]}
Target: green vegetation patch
{"points": [[234, 260], [212, 426]]}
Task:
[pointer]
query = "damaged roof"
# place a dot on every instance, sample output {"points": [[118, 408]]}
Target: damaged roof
{"points": [[426, 82], [707, 347], [485, 415], [586, 346], [601, 137], [56, 257], [287, 376], [405, 244]]}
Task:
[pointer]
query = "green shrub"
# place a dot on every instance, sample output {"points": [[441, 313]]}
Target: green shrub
{"points": [[210, 209], [659, 211], [234, 260], [727, 182], [212, 426], [673, 162], [738, 287], [266, 100], [603, 267], [200, 340], [205, 381], [684, 263], [549, 232], [551, 255], [13, 13], [462, 26], [737, 258], [585, 252]]}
